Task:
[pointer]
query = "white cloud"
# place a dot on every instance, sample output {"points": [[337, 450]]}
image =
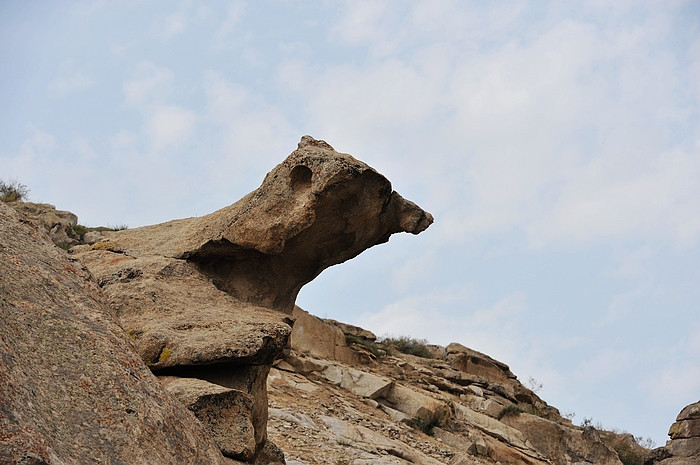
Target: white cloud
{"points": [[149, 83], [365, 22], [170, 26], [627, 197], [122, 139], [412, 271], [223, 34], [601, 366], [37, 147], [677, 385], [169, 126], [253, 132], [557, 138], [70, 79], [492, 329]]}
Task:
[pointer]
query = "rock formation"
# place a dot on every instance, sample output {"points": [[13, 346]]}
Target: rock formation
{"points": [[457, 407], [181, 343], [57, 224], [212, 298], [72, 389], [684, 446]]}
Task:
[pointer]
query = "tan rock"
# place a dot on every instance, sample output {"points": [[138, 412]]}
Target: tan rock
{"points": [[490, 426], [352, 330], [684, 446], [416, 405], [364, 384], [176, 316], [312, 335], [363, 437], [57, 224], [72, 388], [687, 423], [226, 413], [210, 297], [475, 363], [316, 209], [566, 444]]}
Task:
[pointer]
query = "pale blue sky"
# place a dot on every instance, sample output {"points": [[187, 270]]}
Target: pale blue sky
{"points": [[556, 143]]}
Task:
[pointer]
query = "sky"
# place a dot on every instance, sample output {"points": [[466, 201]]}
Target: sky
{"points": [[556, 143]]}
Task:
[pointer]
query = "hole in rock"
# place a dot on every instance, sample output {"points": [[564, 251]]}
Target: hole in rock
{"points": [[300, 178]]}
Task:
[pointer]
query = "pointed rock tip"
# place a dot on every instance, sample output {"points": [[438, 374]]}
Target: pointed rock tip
{"points": [[310, 141]]}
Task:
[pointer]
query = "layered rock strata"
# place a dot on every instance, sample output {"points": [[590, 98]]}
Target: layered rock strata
{"points": [[459, 407], [212, 297], [684, 446]]}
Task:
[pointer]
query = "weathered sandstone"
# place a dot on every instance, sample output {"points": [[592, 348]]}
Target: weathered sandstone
{"points": [[72, 388], [213, 297], [316, 337], [225, 413], [57, 224], [684, 446]]}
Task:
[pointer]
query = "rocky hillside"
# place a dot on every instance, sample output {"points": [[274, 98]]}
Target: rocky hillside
{"points": [[340, 403], [181, 343]]}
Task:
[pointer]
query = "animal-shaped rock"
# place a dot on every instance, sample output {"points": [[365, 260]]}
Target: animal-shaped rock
{"points": [[212, 297]]}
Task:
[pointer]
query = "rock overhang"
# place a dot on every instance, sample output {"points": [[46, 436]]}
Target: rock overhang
{"points": [[220, 288]]}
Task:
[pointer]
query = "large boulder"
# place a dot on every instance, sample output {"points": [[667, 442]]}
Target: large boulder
{"points": [[72, 388], [225, 412], [314, 336], [316, 209], [564, 444], [684, 446], [57, 224]]}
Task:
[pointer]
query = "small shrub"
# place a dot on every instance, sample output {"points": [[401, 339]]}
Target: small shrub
{"points": [[627, 455], [80, 230], [510, 410], [408, 345], [647, 443], [587, 423], [374, 348], [534, 385], [13, 191], [106, 245]]}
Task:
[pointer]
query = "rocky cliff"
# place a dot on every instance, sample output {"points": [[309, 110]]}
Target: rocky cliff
{"points": [[181, 343]]}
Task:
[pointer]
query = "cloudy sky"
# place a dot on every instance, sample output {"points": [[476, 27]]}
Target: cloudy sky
{"points": [[556, 143]]}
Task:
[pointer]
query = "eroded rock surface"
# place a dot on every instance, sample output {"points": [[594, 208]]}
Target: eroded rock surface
{"points": [[72, 388], [316, 209], [57, 224], [684, 446], [458, 407], [212, 297]]}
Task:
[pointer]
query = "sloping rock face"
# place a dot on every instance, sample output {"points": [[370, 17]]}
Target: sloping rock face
{"points": [[213, 297], [460, 407], [72, 388]]}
